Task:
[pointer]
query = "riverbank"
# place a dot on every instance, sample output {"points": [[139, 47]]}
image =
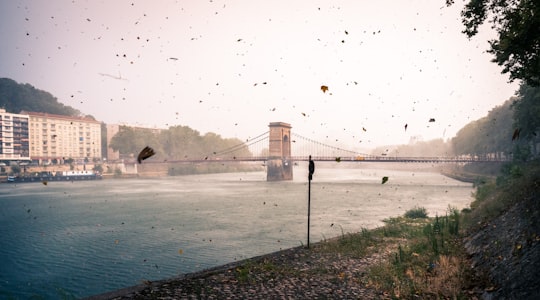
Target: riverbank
{"points": [[296, 273], [384, 263]]}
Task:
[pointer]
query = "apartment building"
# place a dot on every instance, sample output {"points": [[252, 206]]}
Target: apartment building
{"points": [[14, 143], [55, 138]]}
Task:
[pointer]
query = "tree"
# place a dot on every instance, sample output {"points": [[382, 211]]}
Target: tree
{"points": [[16, 97], [130, 140], [490, 134], [527, 112], [527, 117], [517, 23]]}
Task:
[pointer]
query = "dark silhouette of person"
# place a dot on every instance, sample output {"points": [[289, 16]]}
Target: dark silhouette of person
{"points": [[311, 168]]}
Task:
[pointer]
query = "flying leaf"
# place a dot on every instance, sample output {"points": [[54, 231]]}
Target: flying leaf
{"points": [[324, 88], [384, 179], [432, 120], [406, 125], [515, 136], [44, 182], [180, 251], [145, 153], [338, 159]]}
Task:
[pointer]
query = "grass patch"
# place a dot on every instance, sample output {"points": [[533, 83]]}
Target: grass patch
{"points": [[493, 197], [430, 262]]}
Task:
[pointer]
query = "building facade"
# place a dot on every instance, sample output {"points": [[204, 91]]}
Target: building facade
{"points": [[56, 138], [14, 138]]}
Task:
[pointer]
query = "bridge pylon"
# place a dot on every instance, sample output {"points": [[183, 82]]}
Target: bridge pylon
{"points": [[279, 166]]}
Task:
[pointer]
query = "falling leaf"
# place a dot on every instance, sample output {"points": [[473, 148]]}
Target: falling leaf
{"points": [[432, 120], [406, 125], [338, 159], [364, 129], [515, 136], [384, 179], [145, 153], [44, 182], [116, 241], [304, 114], [324, 88], [180, 251]]}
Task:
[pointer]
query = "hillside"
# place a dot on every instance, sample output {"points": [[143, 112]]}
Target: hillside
{"points": [[503, 239], [16, 97]]}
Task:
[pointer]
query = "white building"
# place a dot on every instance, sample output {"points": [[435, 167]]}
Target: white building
{"points": [[14, 144]]}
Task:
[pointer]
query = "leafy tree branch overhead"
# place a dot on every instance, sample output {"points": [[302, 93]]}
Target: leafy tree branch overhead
{"points": [[517, 23]]}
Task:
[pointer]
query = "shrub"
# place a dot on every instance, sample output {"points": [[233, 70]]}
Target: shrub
{"points": [[416, 213]]}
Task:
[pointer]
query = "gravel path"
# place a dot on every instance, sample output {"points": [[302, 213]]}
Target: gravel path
{"points": [[296, 273]]}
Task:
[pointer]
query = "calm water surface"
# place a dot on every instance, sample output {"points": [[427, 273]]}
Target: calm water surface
{"points": [[85, 238]]}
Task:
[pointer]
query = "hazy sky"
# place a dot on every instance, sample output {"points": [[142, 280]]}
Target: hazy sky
{"points": [[231, 67]]}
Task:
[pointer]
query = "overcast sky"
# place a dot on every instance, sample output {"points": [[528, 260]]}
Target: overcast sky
{"points": [[231, 67]]}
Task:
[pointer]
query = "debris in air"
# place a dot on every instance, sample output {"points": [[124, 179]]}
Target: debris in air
{"points": [[145, 153], [324, 88], [384, 179], [432, 120], [515, 136]]}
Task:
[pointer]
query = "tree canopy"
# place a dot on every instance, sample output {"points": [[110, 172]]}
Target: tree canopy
{"points": [[15, 97], [517, 22], [176, 143], [491, 134]]}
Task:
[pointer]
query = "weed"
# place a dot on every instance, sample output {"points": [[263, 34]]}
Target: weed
{"points": [[416, 213]]}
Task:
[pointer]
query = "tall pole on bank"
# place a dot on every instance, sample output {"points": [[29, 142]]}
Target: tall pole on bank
{"points": [[310, 177]]}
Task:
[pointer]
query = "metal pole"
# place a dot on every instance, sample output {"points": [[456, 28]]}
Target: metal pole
{"points": [[310, 177], [308, 208]]}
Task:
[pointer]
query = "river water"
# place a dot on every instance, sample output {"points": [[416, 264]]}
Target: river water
{"points": [[83, 238]]}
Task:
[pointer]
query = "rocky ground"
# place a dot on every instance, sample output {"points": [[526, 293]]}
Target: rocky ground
{"points": [[506, 251], [296, 273]]}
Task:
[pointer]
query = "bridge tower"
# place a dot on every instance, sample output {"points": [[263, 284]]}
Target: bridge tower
{"points": [[279, 166]]}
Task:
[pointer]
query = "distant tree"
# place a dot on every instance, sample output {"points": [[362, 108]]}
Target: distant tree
{"points": [[98, 168], [181, 142], [104, 143], [130, 140], [15, 169], [527, 118], [517, 23], [16, 97], [490, 134]]}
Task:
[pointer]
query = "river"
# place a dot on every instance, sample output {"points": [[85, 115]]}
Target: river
{"points": [[83, 238]]}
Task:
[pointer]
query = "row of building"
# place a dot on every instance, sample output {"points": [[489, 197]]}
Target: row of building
{"points": [[42, 137]]}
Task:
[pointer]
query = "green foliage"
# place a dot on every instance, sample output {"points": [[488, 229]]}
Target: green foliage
{"points": [[517, 23], [517, 181], [98, 168], [15, 169], [416, 213], [426, 265], [527, 121], [176, 143], [16, 97], [491, 134], [436, 147]]}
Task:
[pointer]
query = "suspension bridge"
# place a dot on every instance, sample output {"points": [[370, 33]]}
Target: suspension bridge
{"points": [[280, 149]]}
